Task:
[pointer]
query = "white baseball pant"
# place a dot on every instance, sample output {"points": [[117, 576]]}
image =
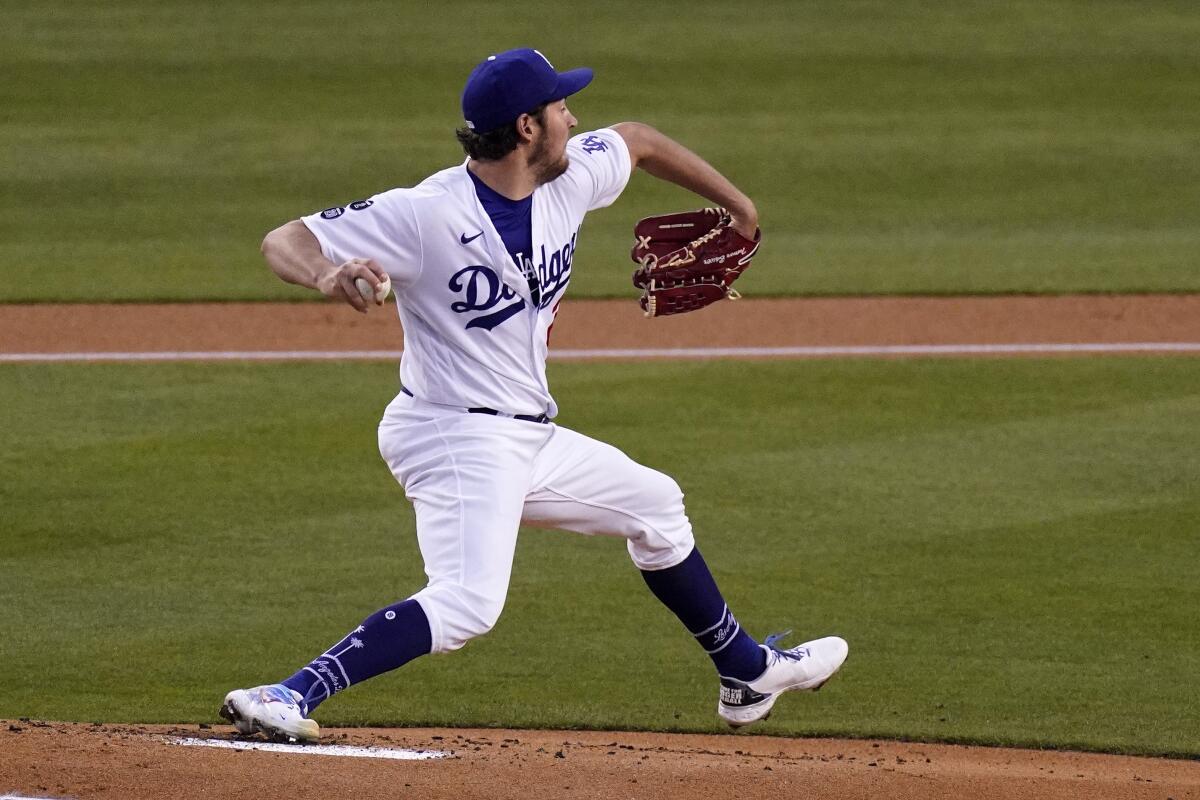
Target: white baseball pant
{"points": [[474, 478]]}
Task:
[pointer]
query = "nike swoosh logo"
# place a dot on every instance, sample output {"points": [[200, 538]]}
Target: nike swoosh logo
{"points": [[468, 239]]}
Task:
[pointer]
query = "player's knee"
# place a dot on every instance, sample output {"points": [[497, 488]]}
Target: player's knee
{"points": [[662, 493], [664, 509], [665, 536], [661, 548], [484, 614], [457, 614]]}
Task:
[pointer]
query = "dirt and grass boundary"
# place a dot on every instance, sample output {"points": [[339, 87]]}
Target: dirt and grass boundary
{"points": [[53, 759]]}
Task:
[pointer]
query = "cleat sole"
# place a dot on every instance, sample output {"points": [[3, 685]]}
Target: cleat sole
{"points": [[799, 687]]}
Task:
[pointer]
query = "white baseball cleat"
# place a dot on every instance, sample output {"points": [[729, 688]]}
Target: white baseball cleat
{"points": [[802, 668], [275, 710]]}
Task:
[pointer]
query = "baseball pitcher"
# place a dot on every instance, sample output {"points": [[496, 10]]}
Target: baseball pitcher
{"points": [[479, 256]]}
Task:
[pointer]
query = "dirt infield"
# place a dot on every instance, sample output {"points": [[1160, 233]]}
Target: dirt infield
{"points": [[59, 760], [585, 324], [143, 762]]}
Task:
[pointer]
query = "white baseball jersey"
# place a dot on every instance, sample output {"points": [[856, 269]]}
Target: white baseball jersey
{"points": [[471, 335]]}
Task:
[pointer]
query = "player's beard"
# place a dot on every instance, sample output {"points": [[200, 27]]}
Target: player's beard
{"points": [[545, 168]]}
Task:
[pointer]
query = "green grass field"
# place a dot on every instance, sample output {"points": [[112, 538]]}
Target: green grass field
{"points": [[1009, 546], [892, 147]]}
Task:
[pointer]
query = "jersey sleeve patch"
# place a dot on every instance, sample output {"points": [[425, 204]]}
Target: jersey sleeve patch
{"points": [[593, 144], [602, 161], [381, 228]]}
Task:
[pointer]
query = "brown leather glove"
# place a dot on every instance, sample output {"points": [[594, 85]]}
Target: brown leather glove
{"points": [[689, 260]]}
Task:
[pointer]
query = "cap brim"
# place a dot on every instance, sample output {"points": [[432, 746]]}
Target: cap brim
{"points": [[572, 81]]}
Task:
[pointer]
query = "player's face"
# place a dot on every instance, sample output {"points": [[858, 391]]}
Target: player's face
{"points": [[548, 158]]}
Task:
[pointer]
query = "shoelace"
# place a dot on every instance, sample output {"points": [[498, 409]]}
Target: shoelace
{"points": [[780, 652], [275, 694]]}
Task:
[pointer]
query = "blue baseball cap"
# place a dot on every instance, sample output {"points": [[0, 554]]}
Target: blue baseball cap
{"points": [[505, 86]]}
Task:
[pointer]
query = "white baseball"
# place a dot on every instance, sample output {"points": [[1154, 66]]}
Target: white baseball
{"points": [[379, 295]]}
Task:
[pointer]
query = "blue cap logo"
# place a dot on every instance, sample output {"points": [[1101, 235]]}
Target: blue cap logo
{"points": [[504, 86]]}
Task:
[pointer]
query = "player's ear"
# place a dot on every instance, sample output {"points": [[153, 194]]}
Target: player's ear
{"points": [[526, 124]]}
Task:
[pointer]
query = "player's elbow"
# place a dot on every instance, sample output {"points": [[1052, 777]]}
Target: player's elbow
{"points": [[286, 247], [274, 240], [286, 244], [269, 244], [639, 137]]}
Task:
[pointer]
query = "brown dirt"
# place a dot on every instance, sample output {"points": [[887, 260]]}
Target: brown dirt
{"points": [[139, 762], [135, 762], [617, 324]]}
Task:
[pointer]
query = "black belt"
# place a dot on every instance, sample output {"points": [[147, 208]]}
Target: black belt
{"points": [[542, 418]]}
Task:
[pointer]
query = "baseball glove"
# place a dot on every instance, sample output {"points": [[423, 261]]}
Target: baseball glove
{"points": [[689, 260]]}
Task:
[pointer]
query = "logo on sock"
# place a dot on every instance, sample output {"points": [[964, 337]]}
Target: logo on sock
{"points": [[720, 635], [332, 682]]}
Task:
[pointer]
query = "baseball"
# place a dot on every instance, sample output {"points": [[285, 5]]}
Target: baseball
{"points": [[379, 295]]}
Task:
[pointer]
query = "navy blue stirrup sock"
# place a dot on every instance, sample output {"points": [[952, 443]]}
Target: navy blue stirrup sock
{"points": [[688, 589], [389, 638]]}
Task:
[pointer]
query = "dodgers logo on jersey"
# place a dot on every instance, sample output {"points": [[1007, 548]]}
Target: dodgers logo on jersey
{"points": [[483, 290], [593, 144], [554, 273]]}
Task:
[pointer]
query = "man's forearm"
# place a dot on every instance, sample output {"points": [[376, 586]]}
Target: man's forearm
{"points": [[294, 254], [668, 160]]}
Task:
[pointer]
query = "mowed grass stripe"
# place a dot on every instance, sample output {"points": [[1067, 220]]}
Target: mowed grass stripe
{"points": [[1009, 546], [891, 147]]}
